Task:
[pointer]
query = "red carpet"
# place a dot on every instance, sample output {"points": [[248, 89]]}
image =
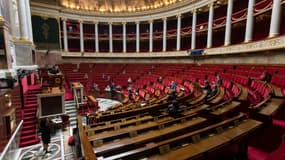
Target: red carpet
{"points": [[256, 154], [29, 131]]}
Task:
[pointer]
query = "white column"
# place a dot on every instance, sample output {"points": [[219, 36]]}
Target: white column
{"points": [[96, 38], [150, 35], [210, 26], [137, 36], [81, 37], [65, 43], [124, 38], [29, 21], [12, 18], [1, 16], [228, 23], [249, 21], [164, 34], [178, 32], [193, 38], [110, 38], [275, 18], [22, 19]]}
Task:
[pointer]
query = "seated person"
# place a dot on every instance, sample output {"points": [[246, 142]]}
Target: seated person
{"points": [[214, 91], [159, 80], [54, 70], [107, 88], [173, 86], [219, 80], [172, 109], [113, 89], [130, 94], [95, 87], [129, 80], [207, 87], [265, 76], [172, 97]]}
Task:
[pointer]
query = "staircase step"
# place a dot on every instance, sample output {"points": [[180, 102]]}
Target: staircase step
{"points": [[30, 122], [30, 109], [31, 105], [30, 142], [28, 132], [28, 127], [27, 118], [30, 113], [31, 102], [26, 138]]}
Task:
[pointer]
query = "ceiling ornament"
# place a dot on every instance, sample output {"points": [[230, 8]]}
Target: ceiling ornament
{"points": [[111, 6]]}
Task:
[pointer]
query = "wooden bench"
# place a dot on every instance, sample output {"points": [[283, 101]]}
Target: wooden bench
{"points": [[181, 140], [210, 144], [153, 136], [230, 107], [218, 97]]}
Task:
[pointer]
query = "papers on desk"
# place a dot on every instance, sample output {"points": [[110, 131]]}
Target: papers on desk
{"points": [[56, 120]]}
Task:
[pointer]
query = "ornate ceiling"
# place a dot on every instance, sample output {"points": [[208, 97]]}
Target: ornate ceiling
{"points": [[117, 5]]}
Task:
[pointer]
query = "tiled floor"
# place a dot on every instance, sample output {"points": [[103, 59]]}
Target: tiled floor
{"points": [[59, 148]]}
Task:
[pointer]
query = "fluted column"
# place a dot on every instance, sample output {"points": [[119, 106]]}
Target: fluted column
{"points": [[193, 38], [137, 36], [164, 34], [210, 26], [22, 19], [228, 23], [150, 36], [29, 21], [124, 38], [81, 37], [110, 38], [275, 18], [249, 21], [96, 38], [65, 42], [178, 36]]}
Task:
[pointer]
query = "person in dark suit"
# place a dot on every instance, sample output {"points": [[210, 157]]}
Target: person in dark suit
{"points": [[45, 131], [207, 87]]}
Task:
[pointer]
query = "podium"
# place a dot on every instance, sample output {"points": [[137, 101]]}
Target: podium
{"points": [[78, 90], [51, 102]]}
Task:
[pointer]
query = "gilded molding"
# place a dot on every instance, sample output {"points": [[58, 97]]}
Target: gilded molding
{"points": [[159, 13], [263, 45]]}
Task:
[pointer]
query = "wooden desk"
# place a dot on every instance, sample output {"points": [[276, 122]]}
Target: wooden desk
{"points": [[145, 138], [210, 143], [219, 96], [227, 108], [271, 107], [243, 93], [118, 125], [193, 150], [185, 139]]}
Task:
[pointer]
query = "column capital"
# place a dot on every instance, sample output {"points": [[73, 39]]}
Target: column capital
{"points": [[124, 23], [110, 23], [164, 18], [150, 21], [194, 11], [137, 22], [64, 18], [211, 4], [95, 22], [178, 16], [80, 21]]}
